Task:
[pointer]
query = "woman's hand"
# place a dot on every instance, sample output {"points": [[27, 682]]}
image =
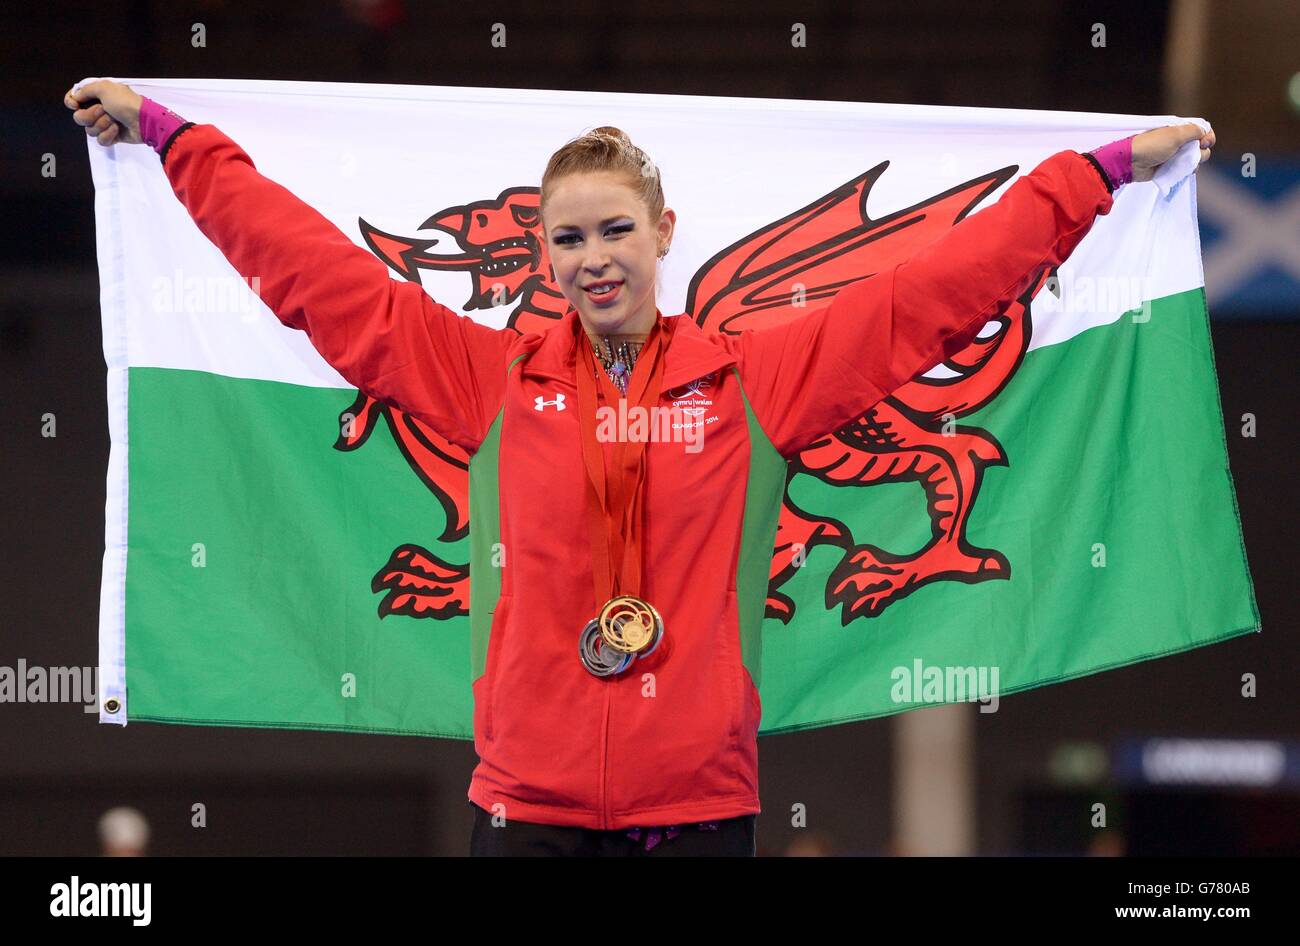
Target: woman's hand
{"points": [[1153, 148], [108, 110]]}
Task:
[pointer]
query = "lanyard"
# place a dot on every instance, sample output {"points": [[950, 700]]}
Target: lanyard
{"points": [[615, 505]]}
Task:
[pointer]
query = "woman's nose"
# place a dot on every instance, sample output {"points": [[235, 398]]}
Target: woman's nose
{"points": [[596, 262]]}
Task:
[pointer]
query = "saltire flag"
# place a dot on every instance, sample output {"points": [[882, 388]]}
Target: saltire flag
{"points": [[284, 551]]}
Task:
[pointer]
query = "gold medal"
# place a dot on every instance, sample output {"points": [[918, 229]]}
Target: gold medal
{"points": [[630, 624]]}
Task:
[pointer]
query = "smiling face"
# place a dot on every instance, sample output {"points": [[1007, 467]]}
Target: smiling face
{"points": [[598, 232]]}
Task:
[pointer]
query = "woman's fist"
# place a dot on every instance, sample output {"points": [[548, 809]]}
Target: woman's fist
{"points": [[1153, 148], [108, 110]]}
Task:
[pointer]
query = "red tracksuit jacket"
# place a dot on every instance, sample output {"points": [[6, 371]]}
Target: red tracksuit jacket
{"points": [[557, 745]]}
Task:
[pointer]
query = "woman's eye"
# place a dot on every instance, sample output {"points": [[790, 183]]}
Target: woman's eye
{"points": [[572, 237]]}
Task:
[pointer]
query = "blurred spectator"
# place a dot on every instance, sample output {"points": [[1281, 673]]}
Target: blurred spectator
{"points": [[1107, 843], [381, 15], [811, 844], [123, 832]]}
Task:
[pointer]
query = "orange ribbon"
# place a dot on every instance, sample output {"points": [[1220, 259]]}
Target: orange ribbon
{"points": [[616, 505]]}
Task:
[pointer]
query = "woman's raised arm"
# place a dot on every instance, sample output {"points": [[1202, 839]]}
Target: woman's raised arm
{"points": [[386, 336], [814, 374]]}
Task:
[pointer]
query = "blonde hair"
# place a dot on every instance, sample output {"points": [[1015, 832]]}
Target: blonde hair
{"points": [[607, 149]]}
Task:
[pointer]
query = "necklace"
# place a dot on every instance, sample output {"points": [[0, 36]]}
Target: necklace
{"points": [[618, 358]]}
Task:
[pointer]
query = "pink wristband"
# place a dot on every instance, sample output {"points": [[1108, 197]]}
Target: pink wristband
{"points": [[1116, 159], [157, 124]]}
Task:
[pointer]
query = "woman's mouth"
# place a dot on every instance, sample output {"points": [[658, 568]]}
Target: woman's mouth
{"points": [[603, 293]]}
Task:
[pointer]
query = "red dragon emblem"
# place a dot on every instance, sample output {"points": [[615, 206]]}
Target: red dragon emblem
{"points": [[804, 257]]}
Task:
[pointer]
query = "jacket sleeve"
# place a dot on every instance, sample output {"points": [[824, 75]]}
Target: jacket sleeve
{"points": [[812, 375], [384, 335]]}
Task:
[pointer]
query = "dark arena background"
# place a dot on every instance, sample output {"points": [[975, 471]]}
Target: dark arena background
{"points": [[1171, 745]]}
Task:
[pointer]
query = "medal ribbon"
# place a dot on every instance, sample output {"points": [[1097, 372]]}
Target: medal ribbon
{"points": [[615, 507]]}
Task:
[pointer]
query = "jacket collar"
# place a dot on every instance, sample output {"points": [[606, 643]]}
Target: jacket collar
{"points": [[691, 352]]}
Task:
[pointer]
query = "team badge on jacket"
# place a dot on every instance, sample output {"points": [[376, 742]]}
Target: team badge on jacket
{"points": [[694, 398]]}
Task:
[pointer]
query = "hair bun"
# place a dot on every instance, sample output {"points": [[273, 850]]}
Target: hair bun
{"points": [[611, 132]]}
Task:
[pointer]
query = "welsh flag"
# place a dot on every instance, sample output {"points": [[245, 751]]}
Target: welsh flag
{"points": [[281, 550]]}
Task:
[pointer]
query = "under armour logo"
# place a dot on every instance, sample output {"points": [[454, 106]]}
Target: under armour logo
{"points": [[539, 402]]}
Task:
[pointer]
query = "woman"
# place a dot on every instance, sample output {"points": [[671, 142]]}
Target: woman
{"points": [[615, 643]]}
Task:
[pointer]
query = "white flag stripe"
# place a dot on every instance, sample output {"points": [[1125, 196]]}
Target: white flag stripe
{"points": [[730, 166]]}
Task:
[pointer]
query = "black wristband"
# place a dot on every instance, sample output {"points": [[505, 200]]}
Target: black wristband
{"points": [[1110, 188], [162, 154]]}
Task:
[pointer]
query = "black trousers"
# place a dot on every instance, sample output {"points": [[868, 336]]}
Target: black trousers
{"points": [[734, 838]]}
